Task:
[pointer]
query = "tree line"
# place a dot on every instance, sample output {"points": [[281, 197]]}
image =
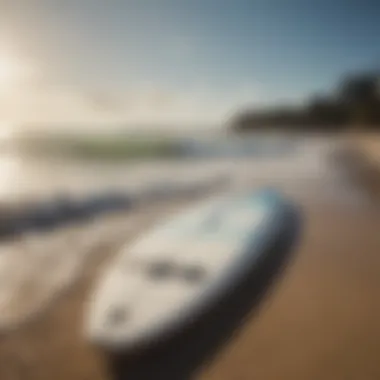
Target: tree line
{"points": [[353, 103]]}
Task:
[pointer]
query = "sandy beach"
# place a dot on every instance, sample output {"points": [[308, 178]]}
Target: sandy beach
{"points": [[320, 320]]}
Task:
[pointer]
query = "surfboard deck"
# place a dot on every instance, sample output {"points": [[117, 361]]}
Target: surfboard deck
{"points": [[183, 268]]}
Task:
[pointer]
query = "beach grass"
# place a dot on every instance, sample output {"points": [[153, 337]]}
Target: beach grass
{"points": [[105, 148]]}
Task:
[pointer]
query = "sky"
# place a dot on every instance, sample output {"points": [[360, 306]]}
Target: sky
{"points": [[174, 62]]}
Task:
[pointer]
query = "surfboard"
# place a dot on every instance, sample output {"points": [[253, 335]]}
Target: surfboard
{"points": [[170, 276]]}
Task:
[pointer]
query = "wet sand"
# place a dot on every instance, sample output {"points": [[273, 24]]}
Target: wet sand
{"points": [[320, 320]]}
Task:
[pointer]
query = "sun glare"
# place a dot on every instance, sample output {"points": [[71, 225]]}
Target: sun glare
{"points": [[11, 71], [7, 131], [7, 70]]}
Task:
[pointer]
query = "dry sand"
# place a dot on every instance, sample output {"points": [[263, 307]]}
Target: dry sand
{"points": [[321, 320]]}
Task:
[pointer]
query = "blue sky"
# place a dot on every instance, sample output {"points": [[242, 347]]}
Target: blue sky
{"points": [[147, 61]]}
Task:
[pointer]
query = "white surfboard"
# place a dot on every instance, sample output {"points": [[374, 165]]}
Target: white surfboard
{"points": [[168, 277]]}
